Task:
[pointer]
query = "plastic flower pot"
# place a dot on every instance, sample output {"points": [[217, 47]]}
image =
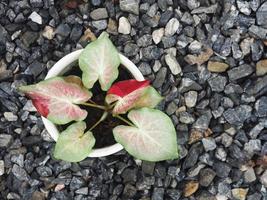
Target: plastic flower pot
{"points": [[65, 64]]}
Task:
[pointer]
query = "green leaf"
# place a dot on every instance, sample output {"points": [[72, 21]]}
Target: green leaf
{"points": [[153, 138], [150, 99], [56, 98], [73, 145], [99, 61]]}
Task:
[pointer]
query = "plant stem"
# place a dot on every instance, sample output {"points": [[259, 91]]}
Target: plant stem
{"points": [[94, 105], [90, 100], [103, 117], [125, 120]]}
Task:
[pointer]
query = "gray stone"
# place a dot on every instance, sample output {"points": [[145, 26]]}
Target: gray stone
{"points": [[209, 144], [44, 171], [193, 4], [255, 196], [5, 140], [254, 4], [100, 24], [160, 77], [220, 154], [96, 2], [124, 26], [152, 10], [240, 72], [190, 99], [252, 147], [2, 167], [192, 156], [257, 86], [83, 191], [261, 15], [145, 68], [18, 159], [99, 13], [131, 6], [168, 42], [151, 53], [203, 121], [261, 106], [20, 173], [36, 3], [144, 41], [195, 47], [226, 48], [171, 108], [157, 65], [255, 131], [206, 177], [129, 175], [158, 194], [165, 17], [249, 175], [173, 64], [63, 30], [186, 118], [35, 17], [157, 35], [148, 167], [226, 140], [237, 115], [76, 183], [174, 193], [187, 84], [207, 10], [258, 31], [9, 116], [263, 179], [217, 83], [171, 27], [131, 49], [222, 169], [237, 53], [129, 191], [244, 7], [29, 37]]}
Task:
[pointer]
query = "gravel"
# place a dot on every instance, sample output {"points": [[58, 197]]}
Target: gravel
{"points": [[206, 58]]}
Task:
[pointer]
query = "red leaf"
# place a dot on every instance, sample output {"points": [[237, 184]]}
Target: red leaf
{"points": [[41, 104], [123, 88]]}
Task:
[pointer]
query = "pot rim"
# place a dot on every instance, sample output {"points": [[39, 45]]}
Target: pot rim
{"points": [[65, 64]]}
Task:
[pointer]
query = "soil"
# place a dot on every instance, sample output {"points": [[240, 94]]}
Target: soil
{"points": [[103, 132]]}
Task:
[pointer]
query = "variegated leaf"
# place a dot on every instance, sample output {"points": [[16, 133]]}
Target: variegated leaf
{"points": [[73, 145], [153, 138], [57, 98], [99, 61], [132, 94]]}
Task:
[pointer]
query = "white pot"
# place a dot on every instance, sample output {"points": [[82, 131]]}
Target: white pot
{"points": [[64, 65]]}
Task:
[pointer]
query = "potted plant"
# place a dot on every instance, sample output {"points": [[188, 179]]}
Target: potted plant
{"points": [[70, 103]]}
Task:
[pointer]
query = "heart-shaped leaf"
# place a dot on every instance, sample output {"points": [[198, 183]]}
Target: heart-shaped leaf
{"points": [[99, 61], [153, 138], [73, 145], [56, 98], [132, 94]]}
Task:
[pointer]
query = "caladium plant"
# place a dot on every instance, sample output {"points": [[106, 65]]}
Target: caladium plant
{"points": [[149, 135]]}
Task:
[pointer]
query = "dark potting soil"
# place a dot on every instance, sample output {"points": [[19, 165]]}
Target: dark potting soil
{"points": [[103, 132]]}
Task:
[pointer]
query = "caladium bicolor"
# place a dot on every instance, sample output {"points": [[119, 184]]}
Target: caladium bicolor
{"points": [[99, 61], [56, 98], [130, 94], [73, 145], [153, 138]]}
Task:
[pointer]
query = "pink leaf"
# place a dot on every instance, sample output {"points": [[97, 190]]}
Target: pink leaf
{"points": [[131, 94], [56, 98], [124, 88]]}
